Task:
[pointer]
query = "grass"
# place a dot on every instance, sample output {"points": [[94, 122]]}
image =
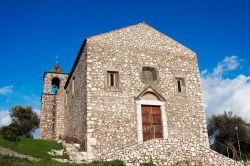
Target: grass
{"points": [[13, 161], [33, 147], [39, 149]]}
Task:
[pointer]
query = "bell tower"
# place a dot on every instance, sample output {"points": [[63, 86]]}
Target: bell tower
{"points": [[53, 104]]}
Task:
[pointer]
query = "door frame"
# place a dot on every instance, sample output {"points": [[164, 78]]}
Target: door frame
{"points": [[139, 104]]}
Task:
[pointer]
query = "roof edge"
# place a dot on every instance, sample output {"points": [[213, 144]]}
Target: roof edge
{"points": [[116, 30], [194, 52], [144, 23], [75, 63]]}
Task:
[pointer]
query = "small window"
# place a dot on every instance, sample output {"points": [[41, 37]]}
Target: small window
{"points": [[73, 86], [149, 74], [180, 85], [112, 79]]}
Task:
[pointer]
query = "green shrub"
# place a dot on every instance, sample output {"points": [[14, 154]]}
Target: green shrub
{"points": [[10, 132], [150, 163], [188, 163], [13, 161], [5, 162]]}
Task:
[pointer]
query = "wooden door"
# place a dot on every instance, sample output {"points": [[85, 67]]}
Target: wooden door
{"points": [[151, 122]]}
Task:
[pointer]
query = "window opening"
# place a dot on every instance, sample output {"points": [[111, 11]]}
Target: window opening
{"points": [[113, 79], [55, 84], [180, 85]]}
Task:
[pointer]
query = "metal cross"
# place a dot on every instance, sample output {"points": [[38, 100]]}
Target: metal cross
{"points": [[57, 59]]}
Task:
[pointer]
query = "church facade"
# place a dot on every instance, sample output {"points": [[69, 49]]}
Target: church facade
{"points": [[126, 87]]}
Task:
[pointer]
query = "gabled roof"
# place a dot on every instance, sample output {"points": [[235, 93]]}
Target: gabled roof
{"points": [[146, 27], [56, 69], [143, 25]]}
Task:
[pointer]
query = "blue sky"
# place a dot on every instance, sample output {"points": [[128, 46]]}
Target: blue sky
{"points": [[32, 33]]}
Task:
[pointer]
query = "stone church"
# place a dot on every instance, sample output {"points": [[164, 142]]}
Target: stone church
{"points": [[133, 94]]}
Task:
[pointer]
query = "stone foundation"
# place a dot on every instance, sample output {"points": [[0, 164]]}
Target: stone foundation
{"points": [[170, 152]]}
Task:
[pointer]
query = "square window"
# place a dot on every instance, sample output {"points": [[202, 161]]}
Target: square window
{"points": [[112, 79], [180, 85], [149, 74]]}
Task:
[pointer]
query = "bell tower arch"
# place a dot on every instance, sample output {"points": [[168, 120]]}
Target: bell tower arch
{"points": [[55, 85], [52, 103]]}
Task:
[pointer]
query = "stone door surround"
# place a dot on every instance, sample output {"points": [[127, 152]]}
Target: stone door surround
{"points": [[140, 100]]}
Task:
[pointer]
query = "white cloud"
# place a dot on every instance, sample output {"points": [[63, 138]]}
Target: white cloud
{"points": [[6, 90], [36, 134], [37, 111], [228, 64], [226, 94], [4, 118]]}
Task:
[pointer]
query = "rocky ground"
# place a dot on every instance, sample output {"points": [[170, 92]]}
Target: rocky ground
{"points": [[8, 152]]}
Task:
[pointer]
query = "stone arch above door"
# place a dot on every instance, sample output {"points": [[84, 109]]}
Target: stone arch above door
{"points": [[150, 93]]}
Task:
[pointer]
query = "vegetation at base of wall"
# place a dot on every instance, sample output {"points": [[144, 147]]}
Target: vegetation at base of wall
{"points": [[39, 149], [188, 163], [150, 163], [33, 147], [13, 161]]}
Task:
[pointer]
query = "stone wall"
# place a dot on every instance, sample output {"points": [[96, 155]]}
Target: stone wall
{"points": [[76, 107], [60, 114], [111, 114], [170, 152], [46, 118]]}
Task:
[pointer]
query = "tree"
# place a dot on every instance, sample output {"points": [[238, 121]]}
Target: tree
{"points": [[222, 128], [10, 132], [24, 119]]}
